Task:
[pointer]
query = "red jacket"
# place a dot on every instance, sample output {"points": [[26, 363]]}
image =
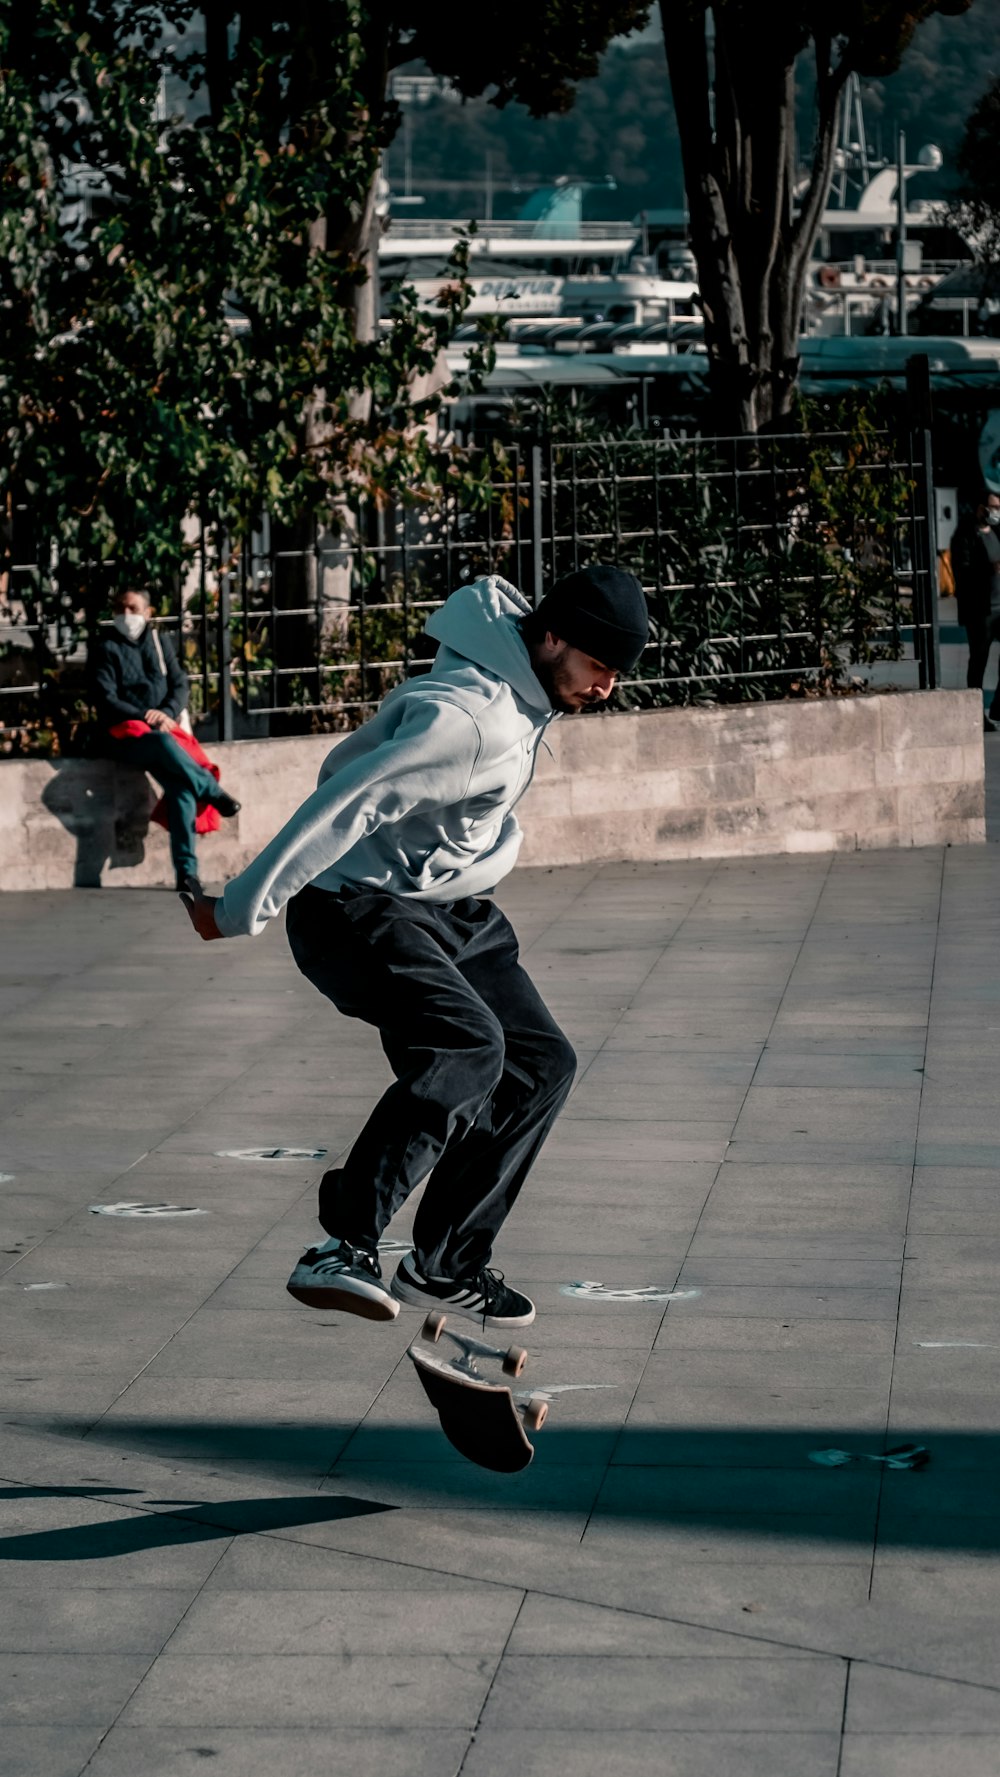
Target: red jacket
{"points": [[208, 819]]}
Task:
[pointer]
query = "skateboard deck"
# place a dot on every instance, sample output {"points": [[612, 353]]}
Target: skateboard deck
{"points": [[480, 1418]]}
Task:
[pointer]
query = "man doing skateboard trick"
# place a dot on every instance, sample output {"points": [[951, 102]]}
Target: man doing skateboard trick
{"points": [[385, 870]]}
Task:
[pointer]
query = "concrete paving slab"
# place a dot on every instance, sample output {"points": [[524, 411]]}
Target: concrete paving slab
{"points": [[694, 1692], [912, 1755], [744, 1122], [36, 1751], [261, 1752], [627, 1752], [277, 1563], [887, 1702], [547, 1626], [344, 1623], [789, 1302], [78, 1688], [91, 1619], [742, 1538], [401, 1689], [727, 1333]]}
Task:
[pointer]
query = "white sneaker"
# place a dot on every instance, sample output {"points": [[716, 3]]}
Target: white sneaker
{"points": [[337, 1275]]}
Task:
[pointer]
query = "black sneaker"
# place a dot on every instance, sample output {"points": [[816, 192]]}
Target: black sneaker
{"points": [[337, 1275], [189, 884], [227, 805], [485, 1297]]}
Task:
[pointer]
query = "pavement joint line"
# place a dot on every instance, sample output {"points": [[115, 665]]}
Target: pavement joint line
{"points": [[160, 1650], [525, 1593], [795, 1606], [843, 1719], [75, 1211], [706, 890], [882, 1477], [545, 1592], [341, 1454], [179, 1329]]}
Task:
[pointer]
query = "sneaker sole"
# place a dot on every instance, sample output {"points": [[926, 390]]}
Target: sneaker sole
{"points": [[419, 1299], [346, 1301]]}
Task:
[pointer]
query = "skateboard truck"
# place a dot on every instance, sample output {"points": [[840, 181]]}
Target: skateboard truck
{"points": [[485, 1421], [533, 1408]]}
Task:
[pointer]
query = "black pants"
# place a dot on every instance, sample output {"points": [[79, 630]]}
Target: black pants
{"points": [[482, 1069], [982, 631]]}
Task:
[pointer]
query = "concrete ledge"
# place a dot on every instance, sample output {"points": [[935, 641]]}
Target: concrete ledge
{"points": [[832, 775]]}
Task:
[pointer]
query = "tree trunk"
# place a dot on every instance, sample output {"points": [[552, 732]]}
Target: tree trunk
{"points": [[736, 128], [313, 565]]}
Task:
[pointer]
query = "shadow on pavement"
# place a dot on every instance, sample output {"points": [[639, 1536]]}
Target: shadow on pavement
{"points": [[151, 1529], [762, 1480]]}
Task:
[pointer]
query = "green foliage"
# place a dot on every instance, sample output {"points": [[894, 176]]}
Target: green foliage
{"points": [[197, 334], [624, 123], [977, 204], [127, 396], [519, 50], [753, 224], [772, 562]]}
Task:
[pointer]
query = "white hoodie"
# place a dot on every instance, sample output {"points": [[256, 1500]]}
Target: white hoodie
{"points": [[419, 800]]}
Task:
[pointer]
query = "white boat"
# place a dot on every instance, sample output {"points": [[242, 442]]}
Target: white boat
{"points": [[547, 262], [854, 283]]}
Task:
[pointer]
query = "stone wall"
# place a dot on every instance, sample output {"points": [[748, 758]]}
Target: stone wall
{"points": [[837, 774], [830, 775]]}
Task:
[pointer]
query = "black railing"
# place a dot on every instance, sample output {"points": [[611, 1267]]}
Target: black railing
{"points": [[770, 564]]}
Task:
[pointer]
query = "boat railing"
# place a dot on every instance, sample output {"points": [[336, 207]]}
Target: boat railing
{"points": [[847, 269], [510, 230]]}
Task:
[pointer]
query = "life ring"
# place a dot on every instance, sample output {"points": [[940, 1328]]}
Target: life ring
{"points": [[829, 277]]}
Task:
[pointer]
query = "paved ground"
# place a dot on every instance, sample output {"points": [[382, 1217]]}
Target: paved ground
{"points": [[234, 1538]]}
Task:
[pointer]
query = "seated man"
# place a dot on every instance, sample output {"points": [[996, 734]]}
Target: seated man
{"points": [[139, 681]]}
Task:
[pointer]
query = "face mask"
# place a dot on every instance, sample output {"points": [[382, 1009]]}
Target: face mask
{"points": [[129, 623], [993, 516]]}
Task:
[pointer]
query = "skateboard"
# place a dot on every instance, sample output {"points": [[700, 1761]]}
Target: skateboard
{"points": [[485, 1421]]}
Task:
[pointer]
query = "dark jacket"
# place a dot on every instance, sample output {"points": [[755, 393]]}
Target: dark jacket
{"points": [[130, 678], [975, 582]]}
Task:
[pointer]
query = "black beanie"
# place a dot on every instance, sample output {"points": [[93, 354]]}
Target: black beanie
{"points": [[602, 611]]}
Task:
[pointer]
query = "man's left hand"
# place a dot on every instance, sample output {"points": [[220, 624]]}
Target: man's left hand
{"points": [[201, 912]]}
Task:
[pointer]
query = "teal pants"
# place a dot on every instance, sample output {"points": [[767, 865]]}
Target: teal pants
{"points": [[184, 785]]}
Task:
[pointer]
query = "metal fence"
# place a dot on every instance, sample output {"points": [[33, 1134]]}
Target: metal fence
{"points": [[771, 564]]}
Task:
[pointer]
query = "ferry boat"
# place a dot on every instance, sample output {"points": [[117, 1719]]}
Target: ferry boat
{"points": [[547, 263]]}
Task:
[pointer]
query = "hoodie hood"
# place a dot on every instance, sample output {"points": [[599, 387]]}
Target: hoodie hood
{"points": [[480, 623]]}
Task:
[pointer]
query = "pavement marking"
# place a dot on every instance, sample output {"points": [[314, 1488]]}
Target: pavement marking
{"points": [[270, 1153], [650, 1292], [34, 1286], [554, 1388], [143, 1209], [955, 1345], [903, 1456]]}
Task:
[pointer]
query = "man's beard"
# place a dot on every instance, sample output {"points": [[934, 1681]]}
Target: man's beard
{"points": [[555, 679]]}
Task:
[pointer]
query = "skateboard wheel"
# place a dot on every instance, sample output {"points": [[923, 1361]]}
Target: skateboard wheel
{"points": [[514, 1361], [536, 1413], [433, 1327]]}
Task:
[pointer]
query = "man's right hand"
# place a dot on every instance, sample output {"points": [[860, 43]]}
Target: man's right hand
{"points": [[201, 912]]}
